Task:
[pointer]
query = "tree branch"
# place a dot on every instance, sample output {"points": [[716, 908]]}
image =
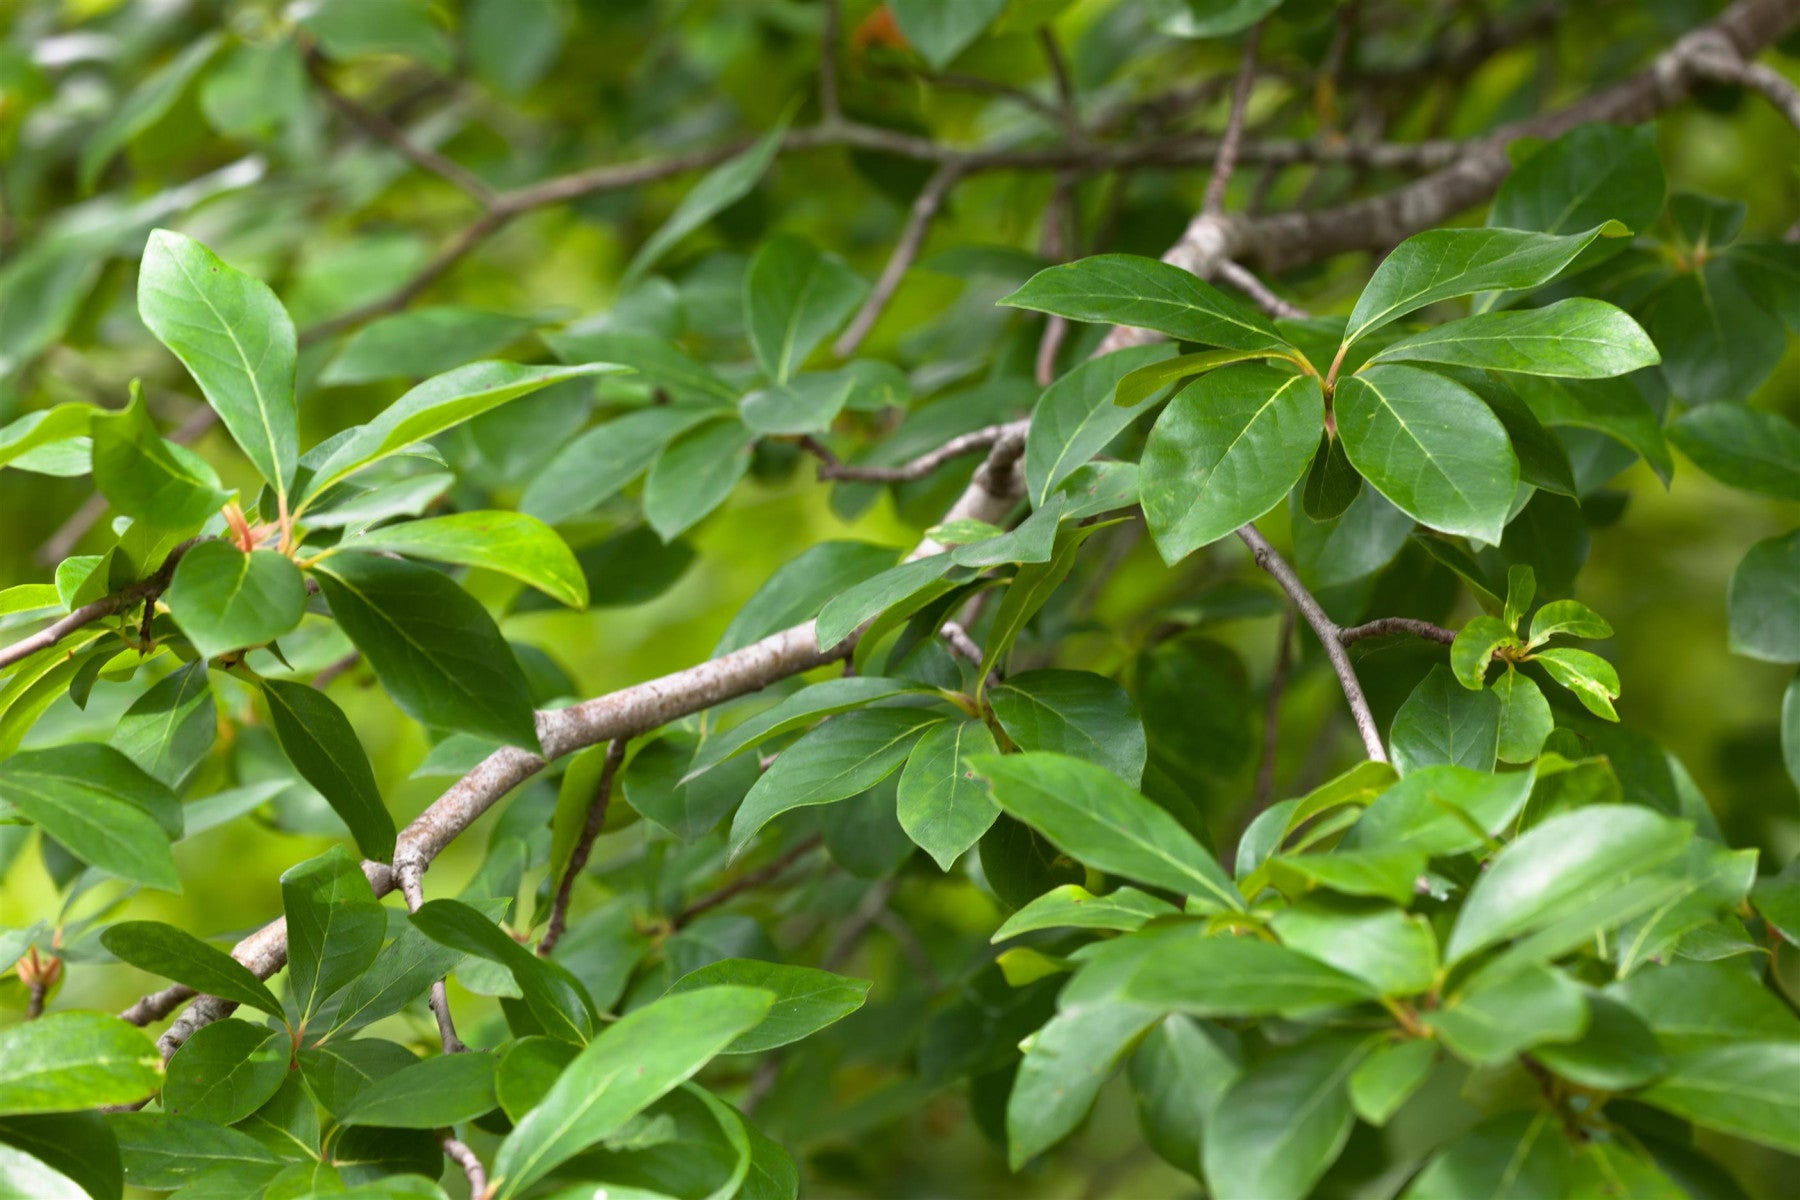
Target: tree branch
{"points": [[1390, 626], [460, 1154], [748, 881], [1226, 163], [584, 846], [96, 610], [831, 467], [1246, 282], [410, 874], [918, 222]]}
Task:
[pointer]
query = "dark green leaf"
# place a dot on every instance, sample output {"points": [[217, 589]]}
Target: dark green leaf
{"points": [[1388, 1077], [1125, 289], [162, 1152], [169, 729], [100, 807], [595, 466], [1617, 1053], [1076, 418], [178, 955], [1614, 407], [1392, 951], [1516, 1154], [226, 1071], [321, 743], [1332, 483], [1445, 723], [694, 475], [430, 1094], [1590, 174], [1185, 969], [1748, 1090], [79, 1145], [1765, 601], [1747, 448], [718, 190], [794, 297], [1280, 1126], [1441, 810], [1525, 718], [806, 1000], [1077, 713], [150, 479], [334, 928], [1489, 1021], [943, 806], [424, 341], [552, 994]]}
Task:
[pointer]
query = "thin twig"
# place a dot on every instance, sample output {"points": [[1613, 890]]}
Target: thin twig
{"points": [[1721, 62], [959, 640], [1246, 282], [409, 872], [1329, 634], [1391, 626], [1226, 163], [828, 65], [748, 881], [924, 210], [460, 1154], [980, 439], [584, 846], [1265, 771], [95, 610]]}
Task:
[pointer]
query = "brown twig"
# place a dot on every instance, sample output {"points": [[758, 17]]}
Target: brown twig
{"points": [[912, 238], [1722, 62], [584, 846], [1226, 164], [830, 467], [1246, 282], [95, 610], [1391, 626], [409, 873], [459, 1153], [748, 881]]}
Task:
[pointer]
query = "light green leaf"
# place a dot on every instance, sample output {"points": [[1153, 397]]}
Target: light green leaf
{"points": [[804, 404], [1089, 813], [1075, 418], [1072, 906], [1225, 451], [1749, 1090], [1394, 952], [794, 297], [432, 645], [430, 1094], [1210, 18], [1441, 264], [1073, 712], [942, 805], [511, 543], [1475, 645], [178, 955], [1388, 1077], [1748, 448], [1568, 617], [170, 728], [1183, 968], [1765, 601], [319, 740], [694, 474], [620, 1073], [67, 1061], [1514, 1154], [1695, 1005], [1525, 718], [1617, 1052], [721, 187], [439, 404], [594, 467], [1126, 289], [656, 360], [1442, 810], [845, 612], [1491, 1020], [45, 427], [149, 479], [101, 807], [940, 29], [163, 1152], [1144, 382], [225, 600], [806, 1000], [1571, 339], [1278, 1129], [1431, 446], [147, 104], [1592, 679], [351, 29], [236, 340], [839, 759], [1441, 722]]}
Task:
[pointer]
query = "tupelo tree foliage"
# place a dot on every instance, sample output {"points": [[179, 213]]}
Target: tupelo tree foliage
{"points": [[985, 823]]}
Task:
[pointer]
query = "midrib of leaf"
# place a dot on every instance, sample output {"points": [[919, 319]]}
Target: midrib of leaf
{"points": [[576, 1113], [784, 361], [262, 403], [1431, 458], [1170, 299], [398, 630]]}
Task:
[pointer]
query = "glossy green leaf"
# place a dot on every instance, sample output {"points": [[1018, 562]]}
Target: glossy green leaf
{"points": [[1072, 906], [1515, 1154], [1332, 483], [1211, 18], [23, 1175], [1281, 1125], [511, 543], [1388, 1077], [1474, 648], [79, 1145], [162, 1151], [226, 1071], [1441, 810], [1225, 451], [236, 340], [806, 999], [1077, 713], [66, 1061], [1694, 1005], [45, 427], [1765, 601], [1394, 952], [1570, 618], [1075, 419], [802, 708], [1592, 173], [1125, 289], [439, 404], [1749, 1090], [407, 966], [794, 297], [661, 784], [319, 740], [1748, 448], [1491, 1020], [1142, 383], [942, 804], [1089, 813], [149, 479], [1719, 344], [432, 645], [844, 756], [100, 807], [1592, 679], [594, 467], [1525, 717], [845, 612], [1028, 592], [550, 991], [1571, 339], [1443, 723], [430, 1094], [620, 1073], [1441, 264], [1614, 407], [178, 955], [170, 728], [1431, 446], [334, 928], [224, 599], [1616, 1053]]}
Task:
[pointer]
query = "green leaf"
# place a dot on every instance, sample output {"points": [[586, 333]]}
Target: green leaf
{"points": [[1388, 1077], [1617, 1052], [1718, 342], [1592, 679], [1394, 952], [403, 972], [1072, 906], [430, 1094], [1765, 601], [1090, 814], [1441, 810], [236, 340], [23, 1175], [806, 1000], [149, 479], [1029, 591], [1075, 419], [79, 1145], [1032, 540], [1614, 407], [694, 475], [1179, 1071], [1557, 864], [796, 590], [1474, 647], [1225, 451], [620, 1073], [334, 928], [1592, 173], [1142, 383], [1543, 458], [1492, 1020], [1568, 617], [170, 728], [1514, 1154], [440, 403], [350, 29], [554, 997], [432, 645], [224, 599], [178, 955], [794, 297], [1571, 339], [162, 1152], [1749, 1090], [45, 427], [1210, 18], [511, 543], [1431, 446], [319, 740], [66, 1061], [800, 709], [1077, 713], [656, 360], [100, 807], [660, 785], [1278, 1129], [1332, 483], [1694, 1005], [805, 404], [1392, 875], [422, 342], [1442, 723], [1441, 264], [1126, 289], [1748, 448], [845, 612], [940, 29], [943, 806], [718, 190], [1525, 718], [1790, 730], [226, 1071], [593, 468], [147, 104], [839, 759]]}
